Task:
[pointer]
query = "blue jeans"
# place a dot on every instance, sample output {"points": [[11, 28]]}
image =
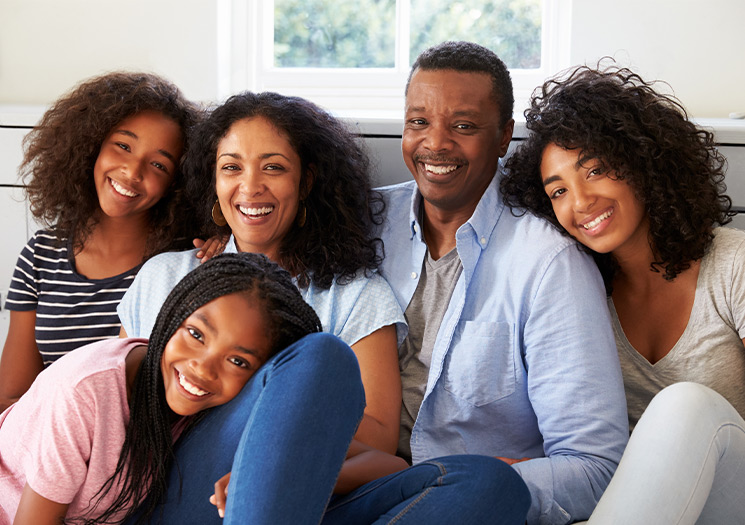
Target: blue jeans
{"points": [[684, 464], [453, 489], [284, 437]]}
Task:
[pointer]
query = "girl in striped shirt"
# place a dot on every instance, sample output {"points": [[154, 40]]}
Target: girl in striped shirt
{"points": [[101, 171]]}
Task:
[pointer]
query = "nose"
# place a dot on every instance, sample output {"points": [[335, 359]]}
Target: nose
{"points": [[583, 200], [437, 138], [133, 170], [204, 367], [252, 182]]}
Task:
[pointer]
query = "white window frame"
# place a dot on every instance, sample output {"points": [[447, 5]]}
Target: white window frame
{"points": [[245, 62]]}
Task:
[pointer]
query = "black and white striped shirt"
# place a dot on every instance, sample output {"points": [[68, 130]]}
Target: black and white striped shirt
{"points": [[71, 310]]}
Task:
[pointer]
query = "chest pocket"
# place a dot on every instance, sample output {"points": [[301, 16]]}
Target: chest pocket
{"points": [[480, 369]]}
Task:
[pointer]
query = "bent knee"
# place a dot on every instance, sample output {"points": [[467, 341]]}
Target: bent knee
{"points": [[690, 401]]}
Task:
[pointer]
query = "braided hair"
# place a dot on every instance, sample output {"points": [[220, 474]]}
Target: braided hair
{"points": [[147, 453]]}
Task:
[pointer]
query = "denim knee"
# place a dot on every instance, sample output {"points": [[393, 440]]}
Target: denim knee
{"points": [[484, 480]]}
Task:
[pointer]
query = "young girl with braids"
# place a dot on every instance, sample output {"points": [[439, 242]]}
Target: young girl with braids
{"points": [[94, 435], [619, 167], [102, 171]]}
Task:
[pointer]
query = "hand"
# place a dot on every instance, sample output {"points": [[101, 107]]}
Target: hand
{"points": [[209, 248], [220, 496], [512, 461]]}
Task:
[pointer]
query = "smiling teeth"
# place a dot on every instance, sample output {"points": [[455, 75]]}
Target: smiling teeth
{"points": [[256, 212], [121, 190], [597, 220], [439, 170], [192, 389]]}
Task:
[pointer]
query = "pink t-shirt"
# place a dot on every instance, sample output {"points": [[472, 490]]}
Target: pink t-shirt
{"points": [[64, 436]]}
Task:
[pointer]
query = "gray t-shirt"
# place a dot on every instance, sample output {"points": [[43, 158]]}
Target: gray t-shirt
{"points": [[710, 350], [423, 315]]}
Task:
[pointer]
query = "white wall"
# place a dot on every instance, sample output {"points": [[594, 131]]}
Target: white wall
{"points": [[696, 46], [47, 46]]}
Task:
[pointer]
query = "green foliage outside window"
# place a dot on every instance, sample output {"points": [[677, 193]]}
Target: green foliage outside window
{"points": [[361, 33]]}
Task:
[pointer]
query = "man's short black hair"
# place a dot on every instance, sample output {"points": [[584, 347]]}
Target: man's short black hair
{"points": [[470, 58]]}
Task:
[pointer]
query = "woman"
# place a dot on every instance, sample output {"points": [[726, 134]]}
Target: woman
{"points": [[290, 181], [617, 166]]}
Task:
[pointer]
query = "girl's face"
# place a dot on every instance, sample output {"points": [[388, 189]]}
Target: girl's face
{"points": [[136, 164], [213, 354], [600, 212], [257, 179]]}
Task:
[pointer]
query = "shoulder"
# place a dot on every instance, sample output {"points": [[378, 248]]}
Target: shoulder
{"points": [[169, 264], [45, 244], [534, 238], [727, 241], [88, 369], [398, 194]]}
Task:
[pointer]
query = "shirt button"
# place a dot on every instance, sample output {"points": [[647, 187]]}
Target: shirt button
{"points": [[483, 241], [416, 228], [413, 275]]}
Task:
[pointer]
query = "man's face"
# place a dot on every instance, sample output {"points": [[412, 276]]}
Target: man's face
{"points": [[451, 139]]}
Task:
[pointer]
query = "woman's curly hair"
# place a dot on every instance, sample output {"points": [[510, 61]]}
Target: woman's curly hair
{"points": [[337, 239], [645, 137], [61, 152]]}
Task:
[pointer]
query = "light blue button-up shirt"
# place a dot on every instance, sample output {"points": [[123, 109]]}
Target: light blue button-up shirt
{"points": [[525, 364]]}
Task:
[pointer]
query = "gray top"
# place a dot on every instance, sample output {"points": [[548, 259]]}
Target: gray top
{"points": [[426, 309], [710, 350]]}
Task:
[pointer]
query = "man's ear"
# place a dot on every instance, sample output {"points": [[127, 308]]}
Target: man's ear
{"points": [[504, 141], [307, 183]]}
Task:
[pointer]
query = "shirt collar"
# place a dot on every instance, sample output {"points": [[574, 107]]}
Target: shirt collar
{"points": [[484, 217]]}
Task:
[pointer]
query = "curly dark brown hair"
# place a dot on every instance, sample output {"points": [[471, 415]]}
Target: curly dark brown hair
{"points": [[613, 115], [337, 240], [61, 151]]}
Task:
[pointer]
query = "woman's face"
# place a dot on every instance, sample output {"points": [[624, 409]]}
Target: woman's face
{"points": [[213, 354], [257, 179], [599, 211], [136, 164]]}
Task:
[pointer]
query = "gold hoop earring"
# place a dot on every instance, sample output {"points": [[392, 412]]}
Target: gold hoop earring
{"points": [[301, 216], [217, 216]]}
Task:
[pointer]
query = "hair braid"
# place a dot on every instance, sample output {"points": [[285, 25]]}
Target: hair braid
{"points": [[147, 452]]}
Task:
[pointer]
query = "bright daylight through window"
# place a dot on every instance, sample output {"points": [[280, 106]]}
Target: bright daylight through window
{"points": [[350, 55]]}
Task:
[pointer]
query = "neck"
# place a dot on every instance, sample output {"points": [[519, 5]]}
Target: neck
{"points": [[119, 234], [439, 228]]}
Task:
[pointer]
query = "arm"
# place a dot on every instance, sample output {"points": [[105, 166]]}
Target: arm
{"points": [[34, 509], [575, 389], [365, 464], [377, 355], [21, 361]]}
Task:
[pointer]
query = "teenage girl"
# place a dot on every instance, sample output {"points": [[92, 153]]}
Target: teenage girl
{"points": [[102, 171], [619, 167], [94, 434]]}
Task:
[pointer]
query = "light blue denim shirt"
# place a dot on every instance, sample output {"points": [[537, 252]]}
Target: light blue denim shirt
{"points": [[525, 364], [350, 311]]}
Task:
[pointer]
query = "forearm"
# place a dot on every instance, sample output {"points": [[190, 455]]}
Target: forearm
{"points": [[365, 464]]}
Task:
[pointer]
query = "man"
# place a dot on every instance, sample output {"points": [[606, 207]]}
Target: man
{"points": [[510, 351]]}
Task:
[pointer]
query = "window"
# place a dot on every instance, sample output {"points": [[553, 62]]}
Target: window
{"points": [[353, 56]]}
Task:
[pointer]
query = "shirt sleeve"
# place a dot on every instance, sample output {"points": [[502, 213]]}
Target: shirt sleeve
{"points": [[737, 287], [58, 440], [576, 390], [23, 294], [141, 304], [374, 308]]}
